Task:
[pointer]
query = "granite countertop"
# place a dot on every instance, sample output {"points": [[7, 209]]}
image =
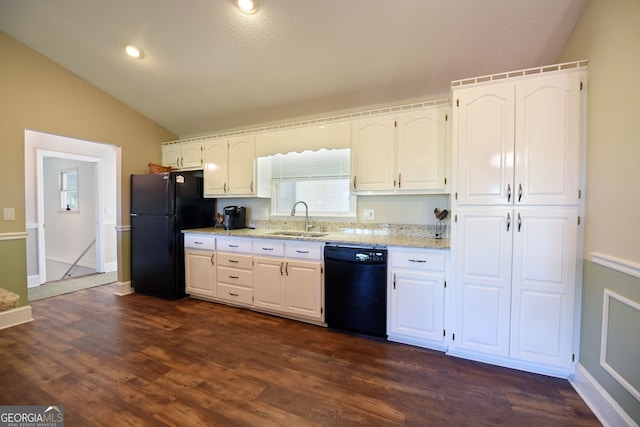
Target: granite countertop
{"points": [[345, 236]]}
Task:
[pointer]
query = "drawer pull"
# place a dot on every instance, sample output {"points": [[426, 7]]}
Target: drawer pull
{"points": [[233, 246], [235, 261], [417, 260], [234, 295], [267, 249], [234, 277], [301, 252], [198, 243]]}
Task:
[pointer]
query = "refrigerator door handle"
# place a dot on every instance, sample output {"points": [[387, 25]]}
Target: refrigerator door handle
{"points": [[170, 236]]}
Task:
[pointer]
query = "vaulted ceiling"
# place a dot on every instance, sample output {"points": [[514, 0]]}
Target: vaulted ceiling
{"points": [[208, 67]]}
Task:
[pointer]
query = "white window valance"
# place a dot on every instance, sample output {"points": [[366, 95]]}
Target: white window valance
{"points": [[327, 136]]}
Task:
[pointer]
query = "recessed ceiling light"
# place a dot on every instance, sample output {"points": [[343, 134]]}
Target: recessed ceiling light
{"points": [[247, 6], [133, 51]]}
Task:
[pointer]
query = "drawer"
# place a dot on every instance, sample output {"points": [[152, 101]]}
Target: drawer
{"points": [[234, 245], [418, 260], [235, 260], [235, 294], [199, 241], [235, 276], [303, 250], [268, 247]]}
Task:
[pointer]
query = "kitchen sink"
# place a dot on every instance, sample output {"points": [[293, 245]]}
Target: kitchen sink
{"points": [[298, 233]]}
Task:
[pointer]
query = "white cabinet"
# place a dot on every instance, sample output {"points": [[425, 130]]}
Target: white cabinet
{"points": [[543, 285], [230, 167], [235, 271], [373, 154], [519, 142], [289, 278], [416, 295], [200, 268], [182, 156], [516, 227], [483, 255], [268, 265], [515, 283], [400, 153]]}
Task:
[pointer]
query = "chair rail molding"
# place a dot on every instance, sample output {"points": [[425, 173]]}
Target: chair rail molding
{"points": [[619, 264]]}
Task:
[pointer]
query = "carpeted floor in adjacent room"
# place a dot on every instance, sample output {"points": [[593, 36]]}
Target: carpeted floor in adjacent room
{"points": [[66, 286]]}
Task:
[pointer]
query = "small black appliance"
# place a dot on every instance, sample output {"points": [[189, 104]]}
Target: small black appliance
{"points": [[235, 217]]}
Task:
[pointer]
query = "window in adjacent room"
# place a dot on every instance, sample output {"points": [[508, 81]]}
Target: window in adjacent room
{"points": [[319, 178], [68, 183]]}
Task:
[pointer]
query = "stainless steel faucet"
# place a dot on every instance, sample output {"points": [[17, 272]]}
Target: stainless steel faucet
{"points": [[306, 214]]}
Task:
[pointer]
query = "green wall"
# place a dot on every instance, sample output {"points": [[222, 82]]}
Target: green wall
{"points": [[13, 265], [623, 349]]}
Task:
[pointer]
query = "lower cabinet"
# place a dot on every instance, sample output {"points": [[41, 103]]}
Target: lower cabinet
{"points": [[235, 271], [200, 268], [288, 278], [515, 287], [416, 295]]}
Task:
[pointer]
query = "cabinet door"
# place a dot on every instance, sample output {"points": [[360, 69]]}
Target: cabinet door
{"points": [[483, 241], [215, 168], [544, 274], [171, 155], [191, 156], [268, 281], [483, 134], [421, 150], [303, 289], [200, 273], [417, 305], [548, 140], [242, 160], [373, 151]]}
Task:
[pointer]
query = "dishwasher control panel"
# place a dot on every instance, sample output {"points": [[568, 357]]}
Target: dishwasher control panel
{"points": [[371, 256]]}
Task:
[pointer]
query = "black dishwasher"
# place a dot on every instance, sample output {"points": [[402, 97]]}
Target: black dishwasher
{"points": [[356, 289]]}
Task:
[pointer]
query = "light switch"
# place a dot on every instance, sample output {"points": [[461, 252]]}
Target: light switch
{"points": [[367, 214], [9, 214]]}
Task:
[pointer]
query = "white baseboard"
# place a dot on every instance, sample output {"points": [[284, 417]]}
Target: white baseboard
{"points": [[601, 403], [15, 316], [110, 266], [33, 281], [123, 288]]}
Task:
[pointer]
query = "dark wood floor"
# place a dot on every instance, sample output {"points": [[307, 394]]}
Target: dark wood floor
{"points": [[138, 360]]}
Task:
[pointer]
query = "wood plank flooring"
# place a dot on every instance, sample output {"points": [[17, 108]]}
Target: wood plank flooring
{"points": [[143, 361]]}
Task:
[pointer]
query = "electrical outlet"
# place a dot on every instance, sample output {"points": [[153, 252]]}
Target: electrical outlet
{"points": [[367, 214], [264, 213], [9, 214]]}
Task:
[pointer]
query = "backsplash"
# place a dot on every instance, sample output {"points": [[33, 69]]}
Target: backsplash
{"points": [[409, 230]]}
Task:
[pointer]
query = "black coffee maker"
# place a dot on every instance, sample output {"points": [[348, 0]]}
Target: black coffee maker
{"points": [[234, 217]]}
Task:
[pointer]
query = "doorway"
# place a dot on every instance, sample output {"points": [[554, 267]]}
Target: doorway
{"points": [[66, 237], [68, 206]]}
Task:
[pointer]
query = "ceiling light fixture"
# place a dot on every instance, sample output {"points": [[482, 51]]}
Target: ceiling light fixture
{"points": [[247, 6], [133, 51]]}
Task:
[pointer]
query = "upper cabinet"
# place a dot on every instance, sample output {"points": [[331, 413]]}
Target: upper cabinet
{"points": [[182, 156], [405, 152], [229, 167], [518, 142]]}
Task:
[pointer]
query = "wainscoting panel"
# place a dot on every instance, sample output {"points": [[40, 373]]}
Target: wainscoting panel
{"points": [[619, 352]]}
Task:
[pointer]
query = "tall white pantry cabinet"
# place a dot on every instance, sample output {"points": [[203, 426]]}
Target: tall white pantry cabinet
{"points": [[516, 229]]}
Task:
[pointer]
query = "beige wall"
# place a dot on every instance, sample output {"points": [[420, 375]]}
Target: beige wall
{"points": [[40, 95], [608, 35]]}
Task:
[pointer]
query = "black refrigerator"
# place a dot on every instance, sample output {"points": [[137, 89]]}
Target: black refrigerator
{"points": [[162, 205]]}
